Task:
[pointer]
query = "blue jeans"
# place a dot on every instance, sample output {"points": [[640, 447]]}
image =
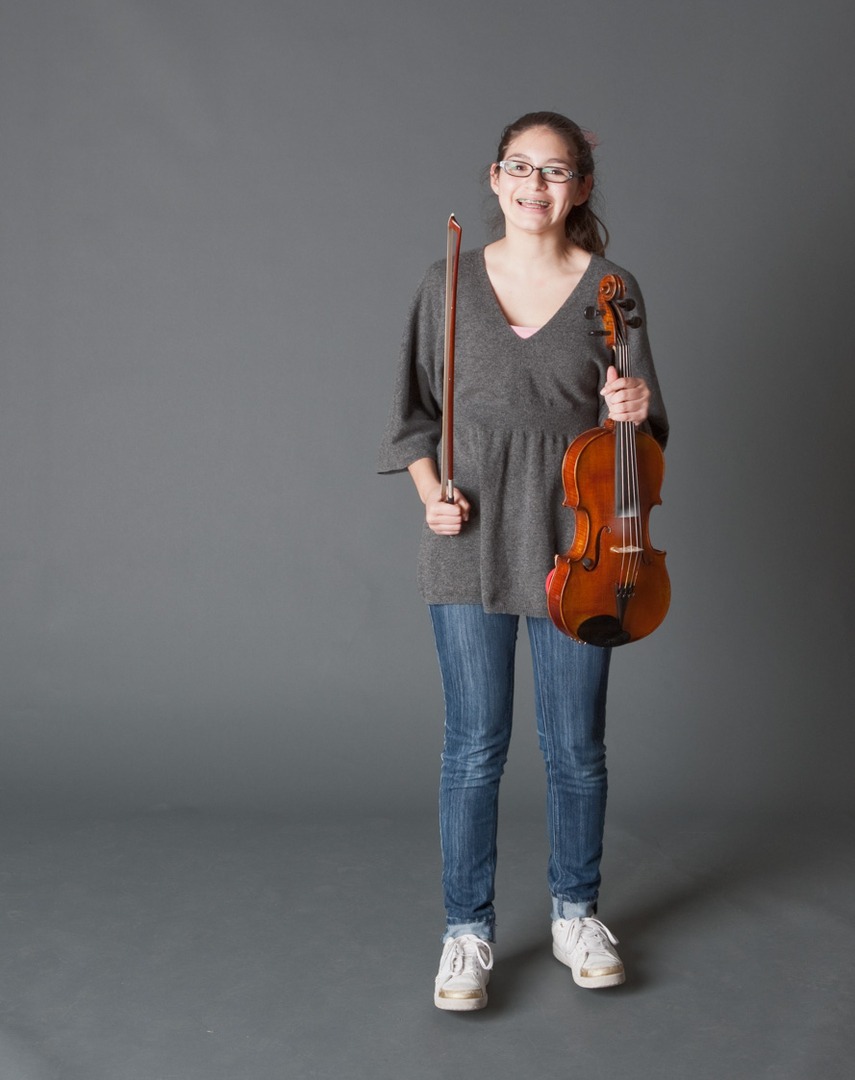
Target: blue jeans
{"points": [[476, 659]]}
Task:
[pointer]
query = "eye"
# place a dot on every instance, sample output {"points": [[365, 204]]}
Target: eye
{"points": [[555, 172], [516, 168]]}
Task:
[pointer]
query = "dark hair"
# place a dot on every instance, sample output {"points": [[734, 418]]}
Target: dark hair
{"points": [[583, 226]]}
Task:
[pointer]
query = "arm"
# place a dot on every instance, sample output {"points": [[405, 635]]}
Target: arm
{"points": [[414, 426]]}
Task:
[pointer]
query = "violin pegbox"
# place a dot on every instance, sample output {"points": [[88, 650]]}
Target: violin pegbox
{"points": [[612, 302]]}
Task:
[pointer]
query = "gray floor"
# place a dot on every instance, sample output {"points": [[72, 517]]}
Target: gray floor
{"points": [[198, 946]]}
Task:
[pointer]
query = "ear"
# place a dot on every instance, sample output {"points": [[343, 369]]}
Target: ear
{"points": [[586, 186], [494, 177]]}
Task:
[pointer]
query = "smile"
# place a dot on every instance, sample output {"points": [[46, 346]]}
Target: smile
{"points": [[537, 203]]}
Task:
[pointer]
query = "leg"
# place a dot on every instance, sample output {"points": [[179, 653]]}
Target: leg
{"points": [[570, 686], [476, 659]]}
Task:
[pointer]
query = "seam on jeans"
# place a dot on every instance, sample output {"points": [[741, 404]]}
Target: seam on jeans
{"points": [[547, 740]]}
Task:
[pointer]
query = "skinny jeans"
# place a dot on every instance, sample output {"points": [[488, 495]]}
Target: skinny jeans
{"points": [[476, 653]]}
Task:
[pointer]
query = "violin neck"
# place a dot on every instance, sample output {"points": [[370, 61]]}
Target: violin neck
{"points": [[627, 501], [626, 471]]}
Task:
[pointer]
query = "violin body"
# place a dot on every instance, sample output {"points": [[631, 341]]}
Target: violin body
{"points": [[611, 587]]}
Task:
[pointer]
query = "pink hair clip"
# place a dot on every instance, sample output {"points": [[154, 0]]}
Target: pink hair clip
{"points": [[592, 137]]}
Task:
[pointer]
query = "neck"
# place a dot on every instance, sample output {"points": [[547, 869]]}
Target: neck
{"points": [[538, 252]]}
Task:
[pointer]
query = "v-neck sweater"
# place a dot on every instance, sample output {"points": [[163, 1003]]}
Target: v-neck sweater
{"points": [[518, 403]]}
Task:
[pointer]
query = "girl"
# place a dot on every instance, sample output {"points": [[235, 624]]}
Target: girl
{"points": [[529, 378]]}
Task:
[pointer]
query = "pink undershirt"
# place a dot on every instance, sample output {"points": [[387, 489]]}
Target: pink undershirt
{"points": [[524, 331]]}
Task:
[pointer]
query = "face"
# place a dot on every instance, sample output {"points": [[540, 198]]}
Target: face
{"points": [[530, 203]]}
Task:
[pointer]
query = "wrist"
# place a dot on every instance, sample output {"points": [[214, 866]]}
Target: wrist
{"points": [[430, 493], [426, 479]]}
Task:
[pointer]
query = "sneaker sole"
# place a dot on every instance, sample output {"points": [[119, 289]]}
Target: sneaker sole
{"points": [[591, 982], [460, 1004]]}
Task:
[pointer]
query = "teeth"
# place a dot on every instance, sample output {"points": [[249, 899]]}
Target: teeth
{"points": [[532, 202]]}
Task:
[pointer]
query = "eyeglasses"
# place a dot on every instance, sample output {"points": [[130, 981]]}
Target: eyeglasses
{"points": [[552, 174]]}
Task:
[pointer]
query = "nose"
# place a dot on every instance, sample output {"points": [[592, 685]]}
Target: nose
{"points": [[537, 179]]}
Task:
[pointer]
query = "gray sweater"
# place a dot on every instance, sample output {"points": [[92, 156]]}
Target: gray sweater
{"points": [[518, 403]]}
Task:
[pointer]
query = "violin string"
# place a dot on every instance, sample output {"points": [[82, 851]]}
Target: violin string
{"points": [[629, 493], [637, 490], [633, 466], [625, 489], [620, 476]]}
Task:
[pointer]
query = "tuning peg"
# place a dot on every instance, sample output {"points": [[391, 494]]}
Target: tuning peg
{"points": [[591, 312], [598, 333], [634, 322], [628, 304]]}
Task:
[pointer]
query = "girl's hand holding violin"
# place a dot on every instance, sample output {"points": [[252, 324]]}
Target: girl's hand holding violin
{"points": [[627, 399]]}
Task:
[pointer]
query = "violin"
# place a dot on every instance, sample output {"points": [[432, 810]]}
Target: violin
{"points": [[611, 587]]}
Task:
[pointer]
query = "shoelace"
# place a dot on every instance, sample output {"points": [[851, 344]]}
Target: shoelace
{"points": [[480, 952], [597, 930], [591, 931]]}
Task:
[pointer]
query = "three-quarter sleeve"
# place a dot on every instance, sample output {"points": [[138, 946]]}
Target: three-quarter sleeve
{"points": [[414, 427]]}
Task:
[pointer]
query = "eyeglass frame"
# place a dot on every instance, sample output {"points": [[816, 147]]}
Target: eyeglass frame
{"points": [[571, 174]]}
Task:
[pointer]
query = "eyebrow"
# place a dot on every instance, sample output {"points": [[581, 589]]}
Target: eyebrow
{"points": [[549, 161]]}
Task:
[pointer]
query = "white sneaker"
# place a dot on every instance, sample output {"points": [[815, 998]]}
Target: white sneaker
{"points": [[586, 946], [464, 972]]}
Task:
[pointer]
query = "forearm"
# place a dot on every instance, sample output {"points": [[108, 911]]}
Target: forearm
{"points": [[425, 476]]}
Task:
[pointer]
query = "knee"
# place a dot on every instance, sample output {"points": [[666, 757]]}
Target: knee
{"points": [[472, 764], [583, 766]]}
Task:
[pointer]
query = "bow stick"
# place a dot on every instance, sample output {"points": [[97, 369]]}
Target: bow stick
{"points": [[446, 448]]}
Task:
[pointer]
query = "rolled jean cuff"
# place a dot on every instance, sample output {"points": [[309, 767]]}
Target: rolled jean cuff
{"points": [[572, 909], [484, 930]]}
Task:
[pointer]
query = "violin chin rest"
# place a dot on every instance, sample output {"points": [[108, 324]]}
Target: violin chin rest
{"points": [[604, 631]]}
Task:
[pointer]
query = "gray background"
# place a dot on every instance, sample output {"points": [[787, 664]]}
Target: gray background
{"points": [[213, 218], [220, 718]]}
